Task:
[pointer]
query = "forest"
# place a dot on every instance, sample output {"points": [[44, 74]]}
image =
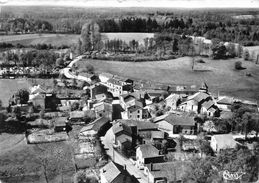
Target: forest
{"points": [[220, 24]]}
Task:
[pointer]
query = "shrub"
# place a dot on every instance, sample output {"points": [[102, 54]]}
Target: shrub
{"points": [[238, 65], [200, 61]]}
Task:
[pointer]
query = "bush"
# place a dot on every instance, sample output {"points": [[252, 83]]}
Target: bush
{"points": [[238, 65], [200, 61]]}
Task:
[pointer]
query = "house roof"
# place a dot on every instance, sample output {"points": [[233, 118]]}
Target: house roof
{"points": [[157, 135], [100, 97], [124, 138], [105, 74], [77, 114], [115, 173], [183, 119], [208, 104], [160, 118], [95, 125], [128, 98], [37, 89], [226, 100], [115, 81], [225, 141], [121, 127], [141, 125], [173, 96], [134, 108], [87, 75], [198, 97], [102, 106], [172, 171], [148, 151]]}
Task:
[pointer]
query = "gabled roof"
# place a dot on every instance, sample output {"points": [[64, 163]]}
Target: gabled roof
{"points": [[37, 89], [115, 81], [134, 108], [124, 138], [115, 173], [128, 98], [121, 127], [148, 151], [141, 125], [100, 97], [226, 100], [105, 74], [157, 135], [198, 97], [95, 125], [208, 104], [173, 96], [183, 119], [60, 121], [225, 141]]}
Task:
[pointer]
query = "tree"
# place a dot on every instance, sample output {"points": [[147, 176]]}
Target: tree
{"points": [[59, 62], [23, 95], [84, 177], [246, 55], [219, 52], [89, 68], [75, 106]]}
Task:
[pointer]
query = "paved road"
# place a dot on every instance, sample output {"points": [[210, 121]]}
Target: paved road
{"points": [[118, 158], [70, 75]]}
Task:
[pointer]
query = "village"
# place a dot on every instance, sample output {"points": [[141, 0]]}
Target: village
{"points": [[134, 131]]}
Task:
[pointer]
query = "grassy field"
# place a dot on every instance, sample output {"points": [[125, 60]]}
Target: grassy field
{"points": [[68, 39], [10, 86], [22, 163], [33, 39], [127, 37], [220, 75]]}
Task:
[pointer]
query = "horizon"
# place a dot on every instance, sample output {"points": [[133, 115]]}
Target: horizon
{"points": [[185, 4]]}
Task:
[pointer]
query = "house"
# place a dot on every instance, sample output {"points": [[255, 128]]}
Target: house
{"points": [[158, 135], [176, 123], [104, 77], [90, 131], [97, 89], [225, 103], [146, 154], [166, 172], [119, 87], [173, 101], [60, 124], [222, 141], [134, 112], [87, 77], [122, 136], [154, 96], [101, 97], [103, 109], [38, 100], [183, 90], [131, 99], [200, 103], [115, 173]]}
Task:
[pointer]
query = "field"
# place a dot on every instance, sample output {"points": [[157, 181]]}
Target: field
{"points": [[218, 74], [20, 162], [127, 37], [10, 86], [68, 39], [33, 39]]}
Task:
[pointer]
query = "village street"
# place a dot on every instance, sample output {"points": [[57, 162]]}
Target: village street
{"points": [[118, 158]]}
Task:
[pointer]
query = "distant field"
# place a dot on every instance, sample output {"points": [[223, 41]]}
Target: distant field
{"points": [[33, 39], [68, 39], [220, 75], [127, 37], [10, 86]]}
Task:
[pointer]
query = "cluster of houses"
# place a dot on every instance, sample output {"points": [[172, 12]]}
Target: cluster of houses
{"points": [[144, 123]]}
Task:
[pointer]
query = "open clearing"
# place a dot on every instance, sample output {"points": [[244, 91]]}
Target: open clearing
{"points": [[68, 39], [220, 75]]}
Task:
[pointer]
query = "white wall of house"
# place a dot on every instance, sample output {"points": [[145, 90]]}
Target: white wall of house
{"points": [[213, 144]]}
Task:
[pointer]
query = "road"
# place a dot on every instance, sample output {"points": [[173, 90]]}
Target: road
{"points": [[70, 75], [118, 158]]}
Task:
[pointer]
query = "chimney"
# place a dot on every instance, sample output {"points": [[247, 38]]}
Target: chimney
{"points": [[124, 167]]}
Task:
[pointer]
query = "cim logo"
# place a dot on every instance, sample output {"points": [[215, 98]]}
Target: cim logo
{"points": [[232, 176]]}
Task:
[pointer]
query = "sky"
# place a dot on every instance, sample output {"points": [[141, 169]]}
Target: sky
{"points": [[139, 3]]}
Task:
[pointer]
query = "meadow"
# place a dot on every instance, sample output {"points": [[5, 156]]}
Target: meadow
{"points": [[68, 39], [220, 75]]}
